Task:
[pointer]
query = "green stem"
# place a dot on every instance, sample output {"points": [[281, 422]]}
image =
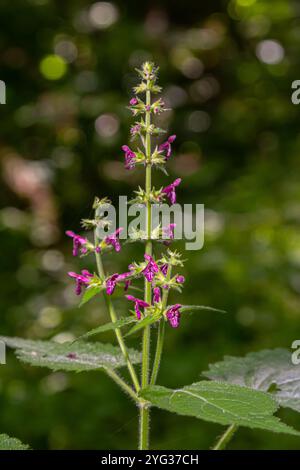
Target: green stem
{"points": [[226, 437], [114, 318], [158, 351], [144, 410], [160, 334], [116, 378], [144, 427]]}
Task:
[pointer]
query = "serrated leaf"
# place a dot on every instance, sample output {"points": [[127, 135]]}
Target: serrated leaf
{"points": [[260, 370], [191, 308], [142, 323], [90, 293], [107, 327], [11, 443], [77, 357], [222, 403]]}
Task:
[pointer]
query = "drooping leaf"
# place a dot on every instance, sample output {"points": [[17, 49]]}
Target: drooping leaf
{"points": [[191, 308], [260, 370], [107, 327], [11, 443], [221, 403], [78, 357], [90, 293]]}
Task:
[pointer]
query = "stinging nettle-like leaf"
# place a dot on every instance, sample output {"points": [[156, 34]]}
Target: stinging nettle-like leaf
{"points": [[107, 327], [11, 443], [80, 356], [260, 370], [222, 403]]}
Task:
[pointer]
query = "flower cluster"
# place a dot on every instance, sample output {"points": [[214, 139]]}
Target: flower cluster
{"points": [[157, 273]]}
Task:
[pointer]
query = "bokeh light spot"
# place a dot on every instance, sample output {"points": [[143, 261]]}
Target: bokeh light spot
{"points": [[103, 14], [107, 125], [66, 49], [270, 51], [53, 67]]}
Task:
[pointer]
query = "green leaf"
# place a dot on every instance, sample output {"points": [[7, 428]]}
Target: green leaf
{"points": [[107, 327], [142, 323], [79, 356], [11, 443], [191, 308], [90, 293], [221, 403], [260, 370]]}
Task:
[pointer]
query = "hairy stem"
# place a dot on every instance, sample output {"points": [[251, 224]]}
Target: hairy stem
{"points": [[160, 334], [226, 437], [116, 378], [144, 410], [114, 318]]}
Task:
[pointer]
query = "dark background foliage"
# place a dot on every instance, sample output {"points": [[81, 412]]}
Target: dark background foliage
{"points": [[226, 69]]}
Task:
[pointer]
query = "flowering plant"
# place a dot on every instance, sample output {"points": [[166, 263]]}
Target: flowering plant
{"points": [[229, 397]]}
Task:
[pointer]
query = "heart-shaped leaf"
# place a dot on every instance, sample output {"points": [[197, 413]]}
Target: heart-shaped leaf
{"points": [[221, 403], [260, 370], [78, 357]]}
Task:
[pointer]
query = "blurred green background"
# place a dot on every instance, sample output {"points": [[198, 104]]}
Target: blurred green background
{"points": [[226, 69]]}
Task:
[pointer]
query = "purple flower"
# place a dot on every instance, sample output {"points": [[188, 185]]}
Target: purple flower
{"points": [[151, 269], [173, 315], [123, 277], [82, 279], [135, 129], [164, 269], [129, 157], [111, 283], [166, 146], [113, 239], [168, 231], [170, 192], [78, 243], [156, 295], [180, 279], [133, 101], [137, 305]]}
